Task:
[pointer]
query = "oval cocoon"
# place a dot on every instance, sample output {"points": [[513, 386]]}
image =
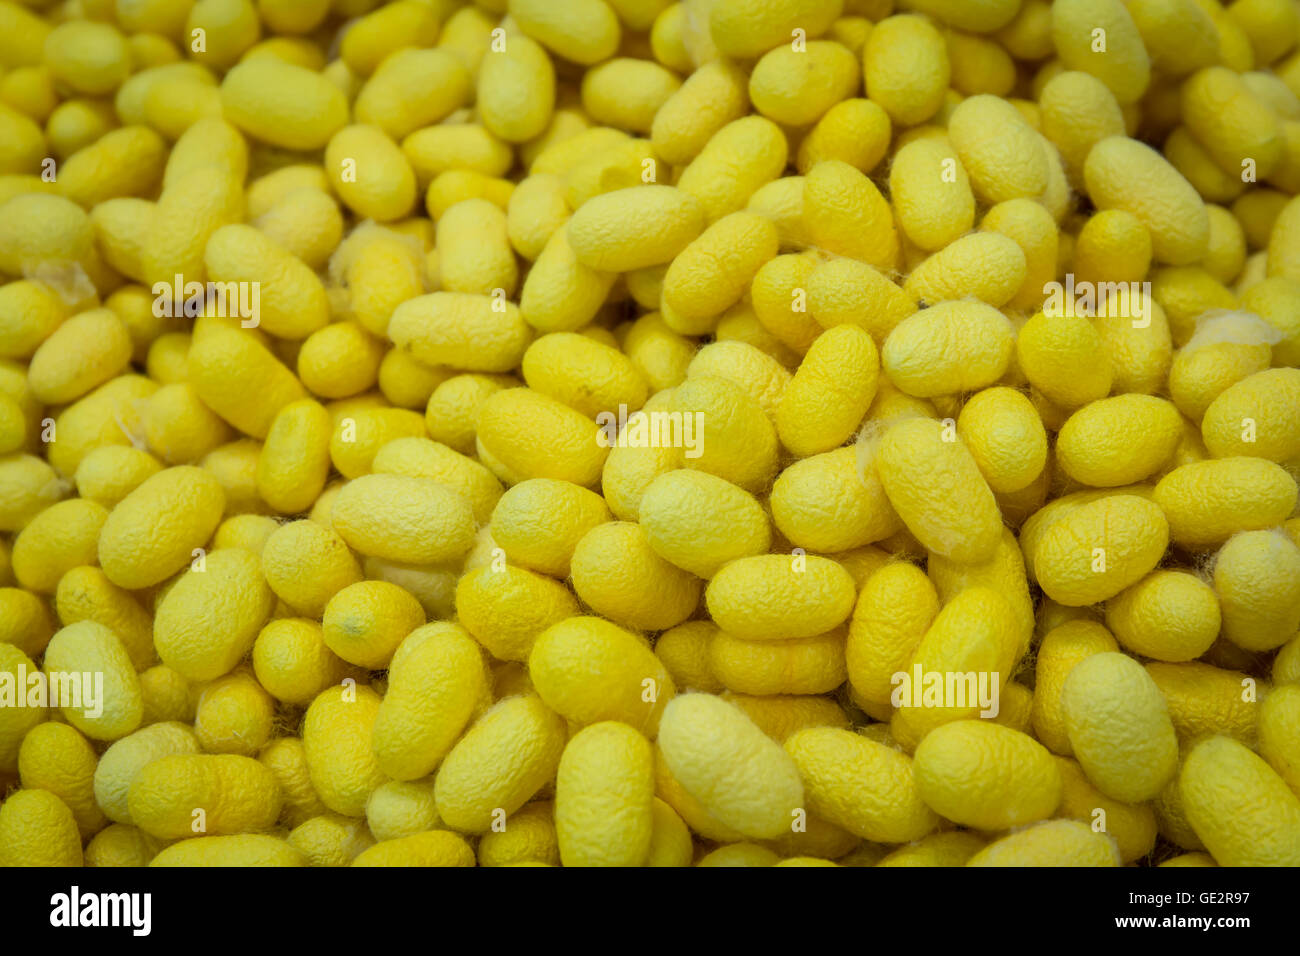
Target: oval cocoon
{"points": [[151, 533], [938, 491], [590, 670], [1119, 727], [604, 797], [719, 756], [863, 786], [413, 520], [76, 659], [208, 620], [500, 762], [779, 597], [982, 775]]}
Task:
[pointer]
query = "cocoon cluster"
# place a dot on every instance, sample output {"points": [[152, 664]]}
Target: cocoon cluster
{"points": [[650, 433]]}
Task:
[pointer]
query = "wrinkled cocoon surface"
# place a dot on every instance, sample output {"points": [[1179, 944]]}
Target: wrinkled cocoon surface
{"points": [[618, 433]]}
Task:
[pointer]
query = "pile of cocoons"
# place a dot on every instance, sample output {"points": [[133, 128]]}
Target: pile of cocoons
{"points": [[649, 433]]}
